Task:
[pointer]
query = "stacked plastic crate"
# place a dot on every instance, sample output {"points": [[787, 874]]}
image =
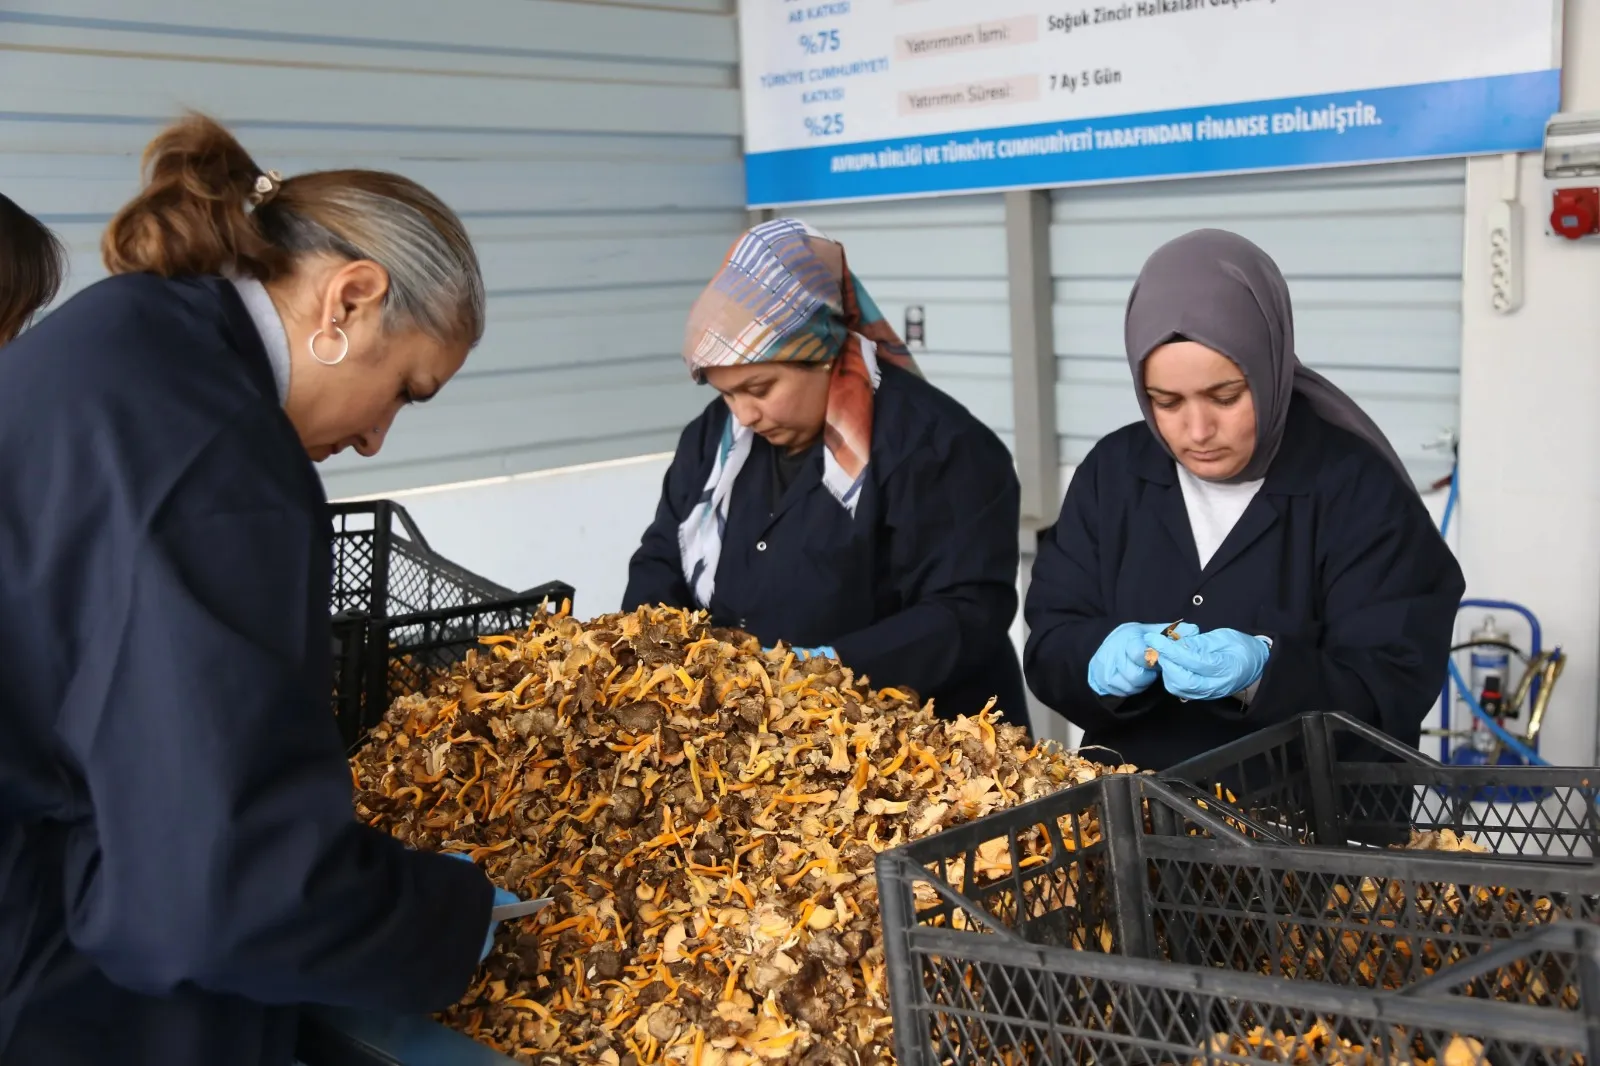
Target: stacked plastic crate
{"points": [[1249, 907], [401, 611]]}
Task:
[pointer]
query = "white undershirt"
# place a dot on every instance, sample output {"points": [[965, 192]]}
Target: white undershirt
{"points": [[1214, 509], [270, 325]]}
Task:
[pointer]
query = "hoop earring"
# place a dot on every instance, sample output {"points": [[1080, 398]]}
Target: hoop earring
{"points": [[312, 344]]}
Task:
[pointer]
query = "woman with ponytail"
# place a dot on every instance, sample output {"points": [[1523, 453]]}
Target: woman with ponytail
{"points": [[179, 864]]}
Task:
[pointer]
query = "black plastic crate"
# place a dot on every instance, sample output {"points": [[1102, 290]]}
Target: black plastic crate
{"points": [[1116, 922], [403, 655], [383, 567], [1327, 779], [401, 611]]}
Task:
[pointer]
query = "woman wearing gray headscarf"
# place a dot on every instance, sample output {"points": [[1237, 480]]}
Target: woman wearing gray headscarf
{"points": [[1258, 504]]}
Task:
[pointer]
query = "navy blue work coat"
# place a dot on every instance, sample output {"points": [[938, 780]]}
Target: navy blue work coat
{"points": [[918, 590], [1336, 560], [180, 863]]}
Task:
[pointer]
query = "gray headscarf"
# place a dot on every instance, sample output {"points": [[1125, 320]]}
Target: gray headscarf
{"points": [[1217, 289]]}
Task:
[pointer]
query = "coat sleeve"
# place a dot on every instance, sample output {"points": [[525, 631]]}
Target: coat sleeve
{"points": [[952, 513], [1067, 615], [1390, 591], [224, 851], [655, 573]]}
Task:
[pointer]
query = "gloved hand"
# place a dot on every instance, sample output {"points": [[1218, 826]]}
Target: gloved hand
{"points": [[501, 898], [1210, 666], [1118, 668], [821, 651]]}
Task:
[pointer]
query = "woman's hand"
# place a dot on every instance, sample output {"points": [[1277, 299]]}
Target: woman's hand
{"points": [[501, 899], [1119, 667], [1210, 666], [822, 651]]}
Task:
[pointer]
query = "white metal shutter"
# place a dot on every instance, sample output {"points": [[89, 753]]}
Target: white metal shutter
{"points": [[1373, 258], [947, 255], [592, 148]]}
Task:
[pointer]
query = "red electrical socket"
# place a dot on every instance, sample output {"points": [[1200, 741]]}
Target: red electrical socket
{"points": [[1576, 213]]}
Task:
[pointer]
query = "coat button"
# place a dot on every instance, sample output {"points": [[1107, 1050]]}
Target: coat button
{"points": [[1198, 599], [761, 546]]}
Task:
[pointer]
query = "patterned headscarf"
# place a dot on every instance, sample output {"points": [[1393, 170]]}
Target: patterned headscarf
{"points": [[786, 295]]}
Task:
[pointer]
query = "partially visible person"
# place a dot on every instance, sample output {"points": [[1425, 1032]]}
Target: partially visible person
{"points": [[180, 864], [831, 498], [32, 265]]}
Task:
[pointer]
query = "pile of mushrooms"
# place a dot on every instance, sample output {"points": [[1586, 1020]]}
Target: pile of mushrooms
{"points": [[705, 815]]}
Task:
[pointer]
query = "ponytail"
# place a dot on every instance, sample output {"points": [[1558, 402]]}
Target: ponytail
{"points": [[194, 216]]}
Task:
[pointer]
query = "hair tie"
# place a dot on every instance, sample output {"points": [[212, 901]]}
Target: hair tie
{"points": [[266, 187]]}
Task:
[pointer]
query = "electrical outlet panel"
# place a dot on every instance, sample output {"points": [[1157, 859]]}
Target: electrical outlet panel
{"points": [[1505, 257]]}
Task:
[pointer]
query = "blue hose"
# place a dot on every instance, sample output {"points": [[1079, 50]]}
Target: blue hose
{"points": [[1528, 754], [1450, 501]]}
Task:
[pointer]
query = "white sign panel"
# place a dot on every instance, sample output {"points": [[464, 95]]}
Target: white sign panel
{"points": [[859, 99]]}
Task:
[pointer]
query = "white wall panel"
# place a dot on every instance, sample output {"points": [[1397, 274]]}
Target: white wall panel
{"points": [[1373, 260]]}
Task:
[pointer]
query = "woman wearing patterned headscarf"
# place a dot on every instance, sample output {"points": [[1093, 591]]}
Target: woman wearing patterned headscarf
{"points": [[830, 498], [1257, 503]]}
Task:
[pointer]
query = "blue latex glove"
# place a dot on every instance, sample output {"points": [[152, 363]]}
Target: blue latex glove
{"points": [[1210, 666], [821, 651], [1118, 668], [501, 898]]}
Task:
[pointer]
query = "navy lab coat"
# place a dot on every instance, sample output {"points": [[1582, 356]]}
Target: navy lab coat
{"points": [[1335, 559], [180, 863], [918, 590]]}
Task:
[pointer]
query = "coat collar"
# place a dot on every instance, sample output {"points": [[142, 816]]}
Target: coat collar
{"points": [[807, 479], [246, 338], [269, 326], [1293, 471], [251, 349]]}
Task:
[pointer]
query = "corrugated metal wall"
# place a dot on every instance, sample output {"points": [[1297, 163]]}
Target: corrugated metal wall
{"points": [[947, 255], [1372, 254], [593, 149]]}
